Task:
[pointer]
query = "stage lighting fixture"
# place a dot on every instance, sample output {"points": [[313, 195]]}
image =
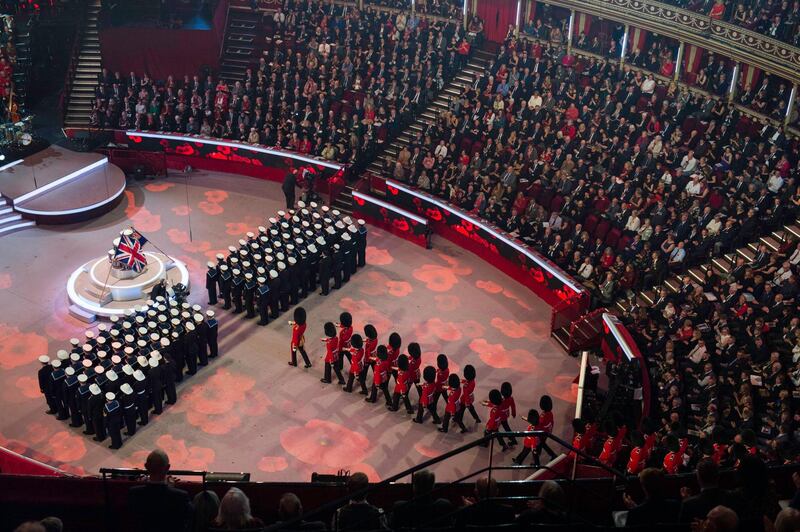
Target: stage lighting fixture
{"points": [[227, 477], [2, 157]]}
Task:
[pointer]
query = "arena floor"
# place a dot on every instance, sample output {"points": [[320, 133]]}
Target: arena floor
{"points": [[248, 410]]}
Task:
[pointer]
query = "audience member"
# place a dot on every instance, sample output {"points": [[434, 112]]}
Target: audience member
{"points": [[710, 496], [656, 508], [157, 505], [234, 513], [423, 510], [206, 507], [549, 509], [358, 514], [291, 509], [483, 509]]}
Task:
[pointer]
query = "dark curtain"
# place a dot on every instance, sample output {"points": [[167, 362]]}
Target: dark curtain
{"points": [[497, 15]]}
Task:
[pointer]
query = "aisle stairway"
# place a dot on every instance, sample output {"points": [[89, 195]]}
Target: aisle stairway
{"points": [[84, 77], [10, 220], [241, 46], [465, 78], [22, 67]]}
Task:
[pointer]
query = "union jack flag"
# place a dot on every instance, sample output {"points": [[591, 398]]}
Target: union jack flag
{"points": [[129, 251]]}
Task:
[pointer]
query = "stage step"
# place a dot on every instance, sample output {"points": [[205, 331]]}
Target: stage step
{"points": [[13, 222], [82, 315], [83, 78]]}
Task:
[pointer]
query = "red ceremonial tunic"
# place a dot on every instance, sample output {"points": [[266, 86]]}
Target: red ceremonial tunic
{"points": [[509, 408], [546, 421], [453, 401], [381, 372], [297, 335], [344, 337], [392, 355], [720, 450], [428, 390], [413, 368], [370, 346], [441, 378], [467, 392], [331, 350], [531, 441], [495, 416], [401, 385], [356, 360], [635, 462]]}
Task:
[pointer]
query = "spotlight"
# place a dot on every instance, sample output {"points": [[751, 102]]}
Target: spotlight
{"points": [[2, 157]]}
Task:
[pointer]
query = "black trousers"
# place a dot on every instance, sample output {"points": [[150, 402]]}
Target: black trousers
{"points": [[130, 419], [499, 439], [171, 392], [373, 394], [303, 354], [523, 454], [456, 420], [143, 409], [336, 369], [99, 427], [396, 402], [361, 381], [115, 431], [472, 411], [212, 295], [421, 412], [511, 439]]}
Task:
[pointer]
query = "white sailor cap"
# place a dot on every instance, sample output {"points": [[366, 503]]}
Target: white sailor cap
{"points": [[128, 351], [199, 317], [70, 371], [99, 370], [114, 333], [116, 345], [95, 389], [139, 319], [211, 265], [155, 354], [138, 375], [277, 245], [75, 357], [262, 229], [220, 256], [102, 327], [339, 225], [189, 326], [295, 219], [325, 208], [273, 220], [281, 213], [141, 360], [82, 378], [210, 313], [186, 315], [313, 204], [299, 241], [89, 335], [280, 256], [127, 369], [312, 248], [129, 338], [175, 322], [142, 331], [224, 267], [273, 274], [44, 359], [250, 234], [74, 341], [286, 236], [164, 342], [236, 271], [87, 363], [292, 261], [289, 247], [110, 396], [320, 241], [301, 204], [246, 264], [309, 234], [161, 318], [115, 359], [347, 220], [87, 348], [281, 266], [62, 354], [315, 216], [330, 230], [126, 389], [112, 375], [346, 237], [101, 354], [261, 280], [101, 340], [154, 337], [269, 258], [114, 318], [260, 270]]}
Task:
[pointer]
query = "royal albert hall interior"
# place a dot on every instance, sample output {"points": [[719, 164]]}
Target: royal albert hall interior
{"points": [[446, 265]]}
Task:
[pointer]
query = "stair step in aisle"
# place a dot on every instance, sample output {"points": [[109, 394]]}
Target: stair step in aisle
{"points": [[87, 70]]}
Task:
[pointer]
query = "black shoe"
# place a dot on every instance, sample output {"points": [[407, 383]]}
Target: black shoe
{"points": [[51, 412], [226, 307], [326, 381], [128, 433], [505, 448], [73, 425], [342, 383], [363, 392], [464, 431], [390, 408], [98, 439], [62, 418], [141, 424], [293, 364], [115, 447], [88, 432], [262, 323], [515, 461], [307, 366], [442, 429], [415, 420], [436, 421], [368, 400], [409, 411], [347, 389]]}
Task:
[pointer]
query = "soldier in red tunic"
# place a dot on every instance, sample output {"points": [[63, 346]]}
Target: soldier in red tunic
{"points": [[546, 423], [495, 417], [414, 363], [579, 440], [298, 338], [370, 345], [530, 443], [331, 354], [636, 459], [442, 373], [468, 393], [356, 364], [393, 350], [345, 332], [453, 407], [613, 443], [380, 376], [673, 460], [426, 398], [509, 408], [403, 381]]}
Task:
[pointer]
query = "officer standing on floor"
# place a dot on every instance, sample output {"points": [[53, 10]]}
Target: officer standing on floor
{"points": [[237, 287], [168, 373], [71, 397], [45, 384], [249, 295], [155, 379], [128, 402], [348, 252], [113, 419], [142, 400], [361, 243], [325, 264], [337, 265], [274, 293], [211, 334], [262, 294], [225, 285], [96, 403], [283, 277], [211, 283], [190, 341]]}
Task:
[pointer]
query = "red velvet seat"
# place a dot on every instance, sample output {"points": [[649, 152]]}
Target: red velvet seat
{"points": [[613, 236], [590, 223], [602, 228]]}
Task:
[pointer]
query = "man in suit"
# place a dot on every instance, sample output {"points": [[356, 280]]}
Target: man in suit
{"points": [[423, 510], [157, 506], [483, 511], [711, 495]]}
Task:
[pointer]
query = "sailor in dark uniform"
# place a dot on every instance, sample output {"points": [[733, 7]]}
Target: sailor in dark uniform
{"points": [[84, 393], [71, 397], [128, 403], [211, 283], [262, 295], [361, 243], [325, 265], [57, 389], [294, 280], [45, 384], [212, 329], [225, 277], [348, 251], [337, 265], [312, 267], [95, 407], [142, 400], [237, 287], [283, 276], [112, 412], [249, 295], [190, 340], [274, 293]]}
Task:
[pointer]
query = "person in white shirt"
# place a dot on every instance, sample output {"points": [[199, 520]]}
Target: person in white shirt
{"points": [[535, 101], [699, 353], [688, 163], [677, 254], [648, 85], [714, 225], [775, 182], [441, 150], [695, 186], [633, 222], [666, 177], [586, 269], [555, 221]]}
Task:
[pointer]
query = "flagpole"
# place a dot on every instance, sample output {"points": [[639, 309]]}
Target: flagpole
{"points": [[108, 274]]}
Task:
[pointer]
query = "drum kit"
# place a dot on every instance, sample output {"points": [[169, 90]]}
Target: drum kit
{"points": [[17, 134]]}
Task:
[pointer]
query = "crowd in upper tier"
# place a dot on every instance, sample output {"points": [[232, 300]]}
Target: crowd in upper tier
{"points": [[336, 86]]}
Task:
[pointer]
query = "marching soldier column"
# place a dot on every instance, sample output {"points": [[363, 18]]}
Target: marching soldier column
{"points": [[120, 374]]}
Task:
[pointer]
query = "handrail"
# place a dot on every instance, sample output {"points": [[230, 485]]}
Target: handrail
{"points": [[482, 441], [717, 36]]}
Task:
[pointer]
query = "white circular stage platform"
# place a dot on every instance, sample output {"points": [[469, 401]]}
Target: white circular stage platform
{"points": [[85, 286]]}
